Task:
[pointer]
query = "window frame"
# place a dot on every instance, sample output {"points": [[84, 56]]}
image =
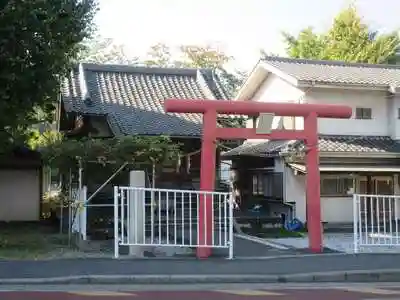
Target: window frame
{"points": [[341, 190], [268, 184], [257, 187], [363, 113]]}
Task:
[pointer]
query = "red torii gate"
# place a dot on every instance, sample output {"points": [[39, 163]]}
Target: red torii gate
{"points": [[211, 108]]}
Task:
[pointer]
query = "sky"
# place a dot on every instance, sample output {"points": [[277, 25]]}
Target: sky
{"points": [[238, 27]]}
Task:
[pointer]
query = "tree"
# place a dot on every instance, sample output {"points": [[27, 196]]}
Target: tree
{"points": [[195, 56], [105, 51], [38, 42], [349, 39], [159, 55]]}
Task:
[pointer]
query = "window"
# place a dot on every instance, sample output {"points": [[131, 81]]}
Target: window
{"points": [[268, 184], [363, 113], [257, 184], [398, 113], [274, 185], [335, 185], [379, 185]]}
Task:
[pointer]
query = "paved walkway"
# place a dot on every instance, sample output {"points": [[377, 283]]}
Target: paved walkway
{"points": [[341, 242], [274, 266]]}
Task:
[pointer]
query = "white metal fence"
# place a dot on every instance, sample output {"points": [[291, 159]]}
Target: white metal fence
{"points": [[376, 222], [171, 218]]}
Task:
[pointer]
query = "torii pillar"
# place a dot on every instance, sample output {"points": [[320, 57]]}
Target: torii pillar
{"points": [[210, 110]]}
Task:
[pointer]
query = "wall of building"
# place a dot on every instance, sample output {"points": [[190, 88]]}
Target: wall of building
{"points": [[19, 195], [333, 209], [376, 100], [394, 116], [274, 89]]}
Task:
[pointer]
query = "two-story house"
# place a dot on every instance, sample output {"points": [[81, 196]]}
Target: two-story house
{"points": [[357, 155]]}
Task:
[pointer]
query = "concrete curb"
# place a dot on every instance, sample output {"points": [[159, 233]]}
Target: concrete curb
{"points": [[386, 275]]}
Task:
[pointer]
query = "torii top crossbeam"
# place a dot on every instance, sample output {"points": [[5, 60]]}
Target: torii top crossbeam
{"points": [[255, 108], [252, 108]]}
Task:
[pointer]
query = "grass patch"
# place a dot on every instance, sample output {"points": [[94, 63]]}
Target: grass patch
{"points": [[29, 241], [274, 233]]}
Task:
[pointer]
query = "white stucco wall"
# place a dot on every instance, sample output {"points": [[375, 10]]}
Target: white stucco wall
{"points": [[337, 209], [384, 120], [376, 100], [274, 89], [333, 209], [393, 117]]}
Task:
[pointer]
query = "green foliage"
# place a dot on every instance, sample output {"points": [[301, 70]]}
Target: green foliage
{"points": [[104, 51], [195, 56], [38, 41], [349, 39], [159, 55], [37, 140], [64, 154]]}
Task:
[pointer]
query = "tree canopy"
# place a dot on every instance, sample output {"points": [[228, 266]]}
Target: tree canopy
{"points": [[105, 51], [196, 56], [349, 39], [65, 153], [38, 42]]}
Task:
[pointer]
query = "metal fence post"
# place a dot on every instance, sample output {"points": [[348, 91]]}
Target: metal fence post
{"points": [[116, 221], [355, 223], [230, 220]]}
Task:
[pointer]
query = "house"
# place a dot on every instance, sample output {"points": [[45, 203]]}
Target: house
{"points": [[113, 100], [357, 155]]}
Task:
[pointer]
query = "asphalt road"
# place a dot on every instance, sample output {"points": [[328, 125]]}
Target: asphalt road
{"points": [[350, 292]]}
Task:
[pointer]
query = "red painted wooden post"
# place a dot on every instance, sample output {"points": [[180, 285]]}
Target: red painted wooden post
{"points": [[313, 202], [210, 110], [207, 182]]}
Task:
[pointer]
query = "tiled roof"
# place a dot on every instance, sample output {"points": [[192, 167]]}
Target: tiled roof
{"points": [[374, 144], [132, 98], [326, 143], [268, 148], [337, 72]]}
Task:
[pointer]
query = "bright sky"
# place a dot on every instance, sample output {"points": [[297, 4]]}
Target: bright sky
{"points": [[239, 27]]}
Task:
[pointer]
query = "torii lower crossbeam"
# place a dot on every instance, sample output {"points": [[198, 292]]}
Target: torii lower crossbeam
{"points": [[210, 110]]}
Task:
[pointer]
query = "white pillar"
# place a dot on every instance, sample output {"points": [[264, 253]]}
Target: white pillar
{"points": [[136, 211], [396, 191], [83, 213]]}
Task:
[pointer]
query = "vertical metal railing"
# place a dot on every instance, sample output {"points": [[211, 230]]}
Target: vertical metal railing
{"points": [[171, 218], [376, 221]]}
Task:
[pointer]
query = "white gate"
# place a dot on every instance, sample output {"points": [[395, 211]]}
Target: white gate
{"points": [[171, 218], [376, 222]]}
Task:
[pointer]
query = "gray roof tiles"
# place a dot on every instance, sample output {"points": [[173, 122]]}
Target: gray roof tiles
{"points": [[132, 98], [267, 148], [326, 143], [370, 144], [337, 72]]}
